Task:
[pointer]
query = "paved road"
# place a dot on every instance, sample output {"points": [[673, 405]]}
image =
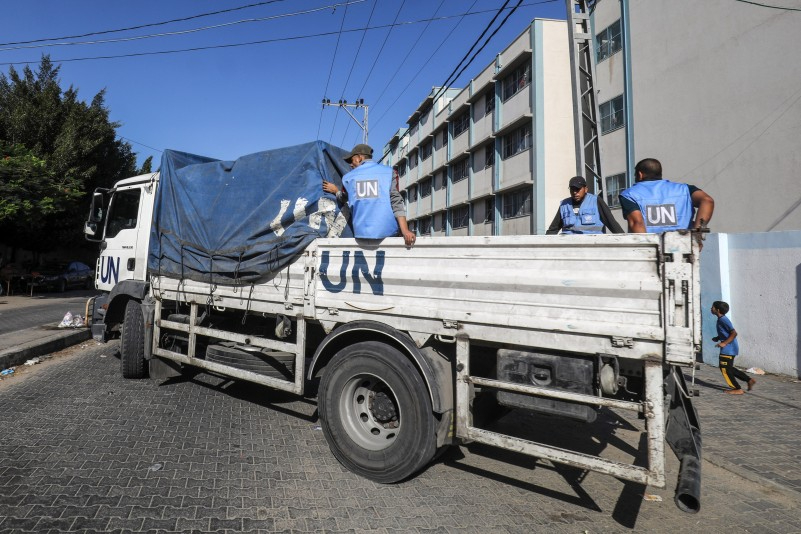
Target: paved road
{"points": [[20, 311], [81, 449]]}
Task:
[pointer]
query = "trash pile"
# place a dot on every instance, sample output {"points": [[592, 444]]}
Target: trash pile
{"points": [[72, 321]]}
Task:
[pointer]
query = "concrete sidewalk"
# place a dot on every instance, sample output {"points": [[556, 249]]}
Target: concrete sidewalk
{"points": [[18, 347]]}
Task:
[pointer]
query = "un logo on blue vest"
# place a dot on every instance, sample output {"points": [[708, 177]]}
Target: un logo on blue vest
{"points": [[367, 189], [661, 215]]}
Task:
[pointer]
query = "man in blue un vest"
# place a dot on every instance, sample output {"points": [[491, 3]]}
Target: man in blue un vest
{"points": [[653, 205], [583, 213], [371, 190]]}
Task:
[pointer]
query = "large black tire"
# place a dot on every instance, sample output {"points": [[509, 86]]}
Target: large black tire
{"points": [[132, 342], [275, 364], [376, 412]]}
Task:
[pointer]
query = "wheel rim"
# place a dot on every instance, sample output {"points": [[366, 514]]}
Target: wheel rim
{"points": [[370, 412]]}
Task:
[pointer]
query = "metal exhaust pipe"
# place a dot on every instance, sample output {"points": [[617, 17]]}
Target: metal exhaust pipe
{"points": [[688, 487]]}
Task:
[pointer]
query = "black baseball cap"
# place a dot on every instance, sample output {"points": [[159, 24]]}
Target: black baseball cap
{"points": [[364, 150], [578, 182]]}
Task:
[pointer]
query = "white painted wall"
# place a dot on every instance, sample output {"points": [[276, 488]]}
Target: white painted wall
{"points": [[759, 275]]}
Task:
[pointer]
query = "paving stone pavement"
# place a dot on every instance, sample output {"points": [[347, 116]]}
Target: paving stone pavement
{"points": [[82, 450], [757, 434]]}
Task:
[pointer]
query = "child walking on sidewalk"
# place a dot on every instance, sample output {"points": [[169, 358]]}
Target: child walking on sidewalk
{"points": [[729, 348]]}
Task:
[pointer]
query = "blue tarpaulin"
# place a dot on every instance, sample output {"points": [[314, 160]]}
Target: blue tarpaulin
{"points": [[228, 222]]}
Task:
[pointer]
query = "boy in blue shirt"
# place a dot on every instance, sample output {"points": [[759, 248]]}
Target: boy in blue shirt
{"points": [[729, 348]]}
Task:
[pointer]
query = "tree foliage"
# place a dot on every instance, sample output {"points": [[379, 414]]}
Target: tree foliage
{"points": [[56, 149]]}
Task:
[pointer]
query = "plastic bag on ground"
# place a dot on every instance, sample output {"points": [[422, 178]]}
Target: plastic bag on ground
{"points": [[66, 321], [755, 371]]}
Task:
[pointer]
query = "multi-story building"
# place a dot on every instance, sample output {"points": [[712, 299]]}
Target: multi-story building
{"points": [[493, 158], [711, 89]]}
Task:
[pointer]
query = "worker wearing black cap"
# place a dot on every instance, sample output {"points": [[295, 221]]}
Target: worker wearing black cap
{"points": [[371, 190], [583, 213]]}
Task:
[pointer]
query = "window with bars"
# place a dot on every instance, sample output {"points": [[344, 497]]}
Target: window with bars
{"points": [[489, 102], [614, 185], [516, 204], [489, 209], [460, 124], [460, 170], [425, 151], [608, 41], [402, 168], [517, 141], [425, 226], [412, 160], [612, 115], [515, 82], [425, 188], [489, 155], [460, 216], [412, 194]]}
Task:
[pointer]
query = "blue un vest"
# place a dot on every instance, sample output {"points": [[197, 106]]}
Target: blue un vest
{"points": [[664, 205], [368, 195], [588, 220]]}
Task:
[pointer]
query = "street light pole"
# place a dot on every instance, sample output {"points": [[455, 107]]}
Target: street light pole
{"points": [[358, 104]]}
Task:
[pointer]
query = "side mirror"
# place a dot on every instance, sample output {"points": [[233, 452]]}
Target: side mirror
{"points": [[90, 229]]}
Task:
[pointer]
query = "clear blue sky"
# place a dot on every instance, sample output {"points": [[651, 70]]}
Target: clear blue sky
{"points": [[227, 102]]}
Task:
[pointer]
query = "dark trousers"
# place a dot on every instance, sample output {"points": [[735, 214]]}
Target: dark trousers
{"points": [[730, 372]]}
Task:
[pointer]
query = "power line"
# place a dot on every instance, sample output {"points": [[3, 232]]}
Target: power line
{"points": [[333, 59], [769, 6], [138, 143], [420, 70], [451, 78], [350, 72], [263, 41], [185, 32], [408, 54], [150, 25]]}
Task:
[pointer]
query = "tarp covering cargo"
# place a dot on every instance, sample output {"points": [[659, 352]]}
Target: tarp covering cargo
{"points": [[229, 222]]}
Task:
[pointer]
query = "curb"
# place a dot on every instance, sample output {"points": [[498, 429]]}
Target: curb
{"points": [[44, 344], [744, 472]]}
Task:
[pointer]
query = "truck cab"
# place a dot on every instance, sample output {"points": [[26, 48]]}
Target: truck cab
{"points": [[120, 220]]}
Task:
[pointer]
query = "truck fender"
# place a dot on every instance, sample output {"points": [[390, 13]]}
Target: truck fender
{"points": [[119, 297], [437, 377]]}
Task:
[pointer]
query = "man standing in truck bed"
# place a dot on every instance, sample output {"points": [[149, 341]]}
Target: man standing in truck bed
{"points": [[653, 205], [377, 209]]}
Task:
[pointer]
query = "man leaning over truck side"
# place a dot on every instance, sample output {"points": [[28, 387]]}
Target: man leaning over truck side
{"points": [[583, 213], [653, 205], [371, 190]]}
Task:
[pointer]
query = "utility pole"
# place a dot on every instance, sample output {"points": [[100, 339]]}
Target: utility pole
{"points": [[359, 103]]}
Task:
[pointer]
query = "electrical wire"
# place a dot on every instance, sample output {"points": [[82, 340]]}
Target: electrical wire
{"points": [[769, 6], [419, 70], [333, 59], [185, 32], [263, 41], [138, 143], [352, 65], [350, 72], [451, 78], [150, 25], [408, 54]]}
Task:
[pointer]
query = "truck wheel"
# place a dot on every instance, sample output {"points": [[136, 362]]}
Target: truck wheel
{"points": [[376, 412], [132, 342]]}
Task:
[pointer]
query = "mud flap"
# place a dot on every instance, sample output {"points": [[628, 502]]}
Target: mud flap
{"points": [[683, 434]]}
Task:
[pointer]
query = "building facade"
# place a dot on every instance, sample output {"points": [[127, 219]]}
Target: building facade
{"points": [[493, 158], [711, 90]]}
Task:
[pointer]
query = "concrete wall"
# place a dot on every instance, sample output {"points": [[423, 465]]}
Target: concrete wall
{"points": [[759, 275], [716, 97]]}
